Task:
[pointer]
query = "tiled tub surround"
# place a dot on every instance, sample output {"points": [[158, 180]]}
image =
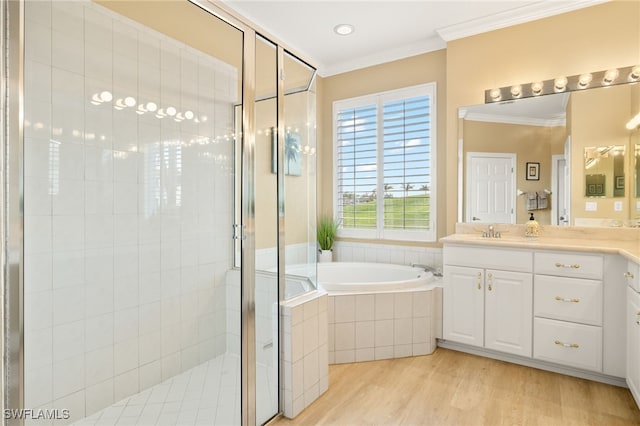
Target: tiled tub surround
{"points": [[127, 216], [305, 351], [365, 327], [347, 251]]}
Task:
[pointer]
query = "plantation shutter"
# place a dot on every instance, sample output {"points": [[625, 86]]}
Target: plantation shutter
{"points": [[407, 169], [385, 159], [357, 166]]}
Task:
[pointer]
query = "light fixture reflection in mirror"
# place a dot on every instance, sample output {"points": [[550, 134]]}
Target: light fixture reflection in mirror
{"points": [[604, 171]]}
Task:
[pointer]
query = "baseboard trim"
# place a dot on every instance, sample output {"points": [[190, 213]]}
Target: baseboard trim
{"points": [[533, 363]]}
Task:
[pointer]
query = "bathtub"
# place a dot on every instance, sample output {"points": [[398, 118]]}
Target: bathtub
{"points": [[370, 277], [380, 311]]}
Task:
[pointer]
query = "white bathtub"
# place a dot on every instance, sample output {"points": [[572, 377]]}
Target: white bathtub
{"points": [[370, 277], [380, 311]]}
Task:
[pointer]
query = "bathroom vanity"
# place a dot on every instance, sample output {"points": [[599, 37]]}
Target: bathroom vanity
{"points": [[567, 301]]}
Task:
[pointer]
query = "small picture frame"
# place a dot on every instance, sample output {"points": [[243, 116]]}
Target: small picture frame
{"points": [[619, 182], [533, 171]]}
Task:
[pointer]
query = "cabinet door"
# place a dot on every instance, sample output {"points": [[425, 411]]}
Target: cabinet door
{"points": [[508, 312], [463, 310], [633, 343]]}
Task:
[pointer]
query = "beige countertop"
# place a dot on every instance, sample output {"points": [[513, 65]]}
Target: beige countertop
{"points": [[623, 241]]}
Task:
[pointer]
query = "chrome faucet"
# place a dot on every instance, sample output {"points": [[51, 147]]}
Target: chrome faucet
{"points": [[427, 268], [491, 232]]}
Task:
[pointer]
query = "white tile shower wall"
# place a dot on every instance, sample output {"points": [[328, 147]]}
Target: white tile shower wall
{"points": [[346, 251], [305, 351], [127, 213], [365, 327]]}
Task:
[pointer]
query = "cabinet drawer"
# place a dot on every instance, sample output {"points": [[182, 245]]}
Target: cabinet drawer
{"points": [[569, 299], [569, 265], [489, 258], [632, 275], [568, 343]]}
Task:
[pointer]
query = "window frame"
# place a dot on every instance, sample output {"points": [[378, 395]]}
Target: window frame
{"points": [[379, 99]]}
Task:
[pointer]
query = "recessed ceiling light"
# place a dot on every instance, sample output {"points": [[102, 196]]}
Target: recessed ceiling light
{"points": [[343, 29]]}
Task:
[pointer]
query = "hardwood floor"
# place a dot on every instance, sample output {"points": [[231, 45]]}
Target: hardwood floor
{"points": [[454, 388]]}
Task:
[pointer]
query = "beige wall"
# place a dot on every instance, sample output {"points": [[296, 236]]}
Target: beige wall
{"points": [[598, 118], [529, 144], [412, 71], [591, 39]]}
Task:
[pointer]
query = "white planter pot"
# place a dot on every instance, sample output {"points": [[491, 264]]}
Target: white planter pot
{"points": [[325, 256]]}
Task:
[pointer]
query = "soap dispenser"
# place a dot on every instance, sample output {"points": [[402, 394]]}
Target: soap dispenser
{"points": [[531, 230]]}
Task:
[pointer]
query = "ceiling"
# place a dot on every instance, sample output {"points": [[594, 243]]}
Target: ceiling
{"points": [[385, 30]]}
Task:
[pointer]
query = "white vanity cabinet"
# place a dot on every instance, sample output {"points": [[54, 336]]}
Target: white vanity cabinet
{"points": [[568, 309], [633, 343], [633, 330], [488, 298]]}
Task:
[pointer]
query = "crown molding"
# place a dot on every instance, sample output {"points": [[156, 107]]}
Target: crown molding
{"points": [[428, 45], [531, 12], [506, 119]]}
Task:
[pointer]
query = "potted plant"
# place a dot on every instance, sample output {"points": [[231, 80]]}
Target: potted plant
{"points": [[327, 229]]}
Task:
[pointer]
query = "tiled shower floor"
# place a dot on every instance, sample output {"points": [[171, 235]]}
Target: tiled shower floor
{"points": [[208, 394]]}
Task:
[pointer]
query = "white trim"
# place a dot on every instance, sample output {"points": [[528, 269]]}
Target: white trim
{"points": [[424, 46], [506, 119], [529, 12], [554, 187]]}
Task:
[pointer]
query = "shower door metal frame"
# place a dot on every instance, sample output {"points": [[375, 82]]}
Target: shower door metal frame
{"points": [[12, 214]]}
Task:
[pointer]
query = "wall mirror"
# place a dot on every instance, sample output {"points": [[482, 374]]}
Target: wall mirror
{"points": [[604, 171], [578, 141]]}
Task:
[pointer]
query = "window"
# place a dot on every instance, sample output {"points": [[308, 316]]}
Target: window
{"points": [[385, 156]]}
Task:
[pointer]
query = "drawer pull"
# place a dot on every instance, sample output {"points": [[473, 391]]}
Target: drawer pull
{"points": [[567, 345], [490, 287], [628, 275], [562, 265], [566, 299], [479, 286]]}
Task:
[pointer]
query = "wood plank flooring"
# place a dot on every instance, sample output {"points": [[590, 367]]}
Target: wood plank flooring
{"points": [[454, 388]]}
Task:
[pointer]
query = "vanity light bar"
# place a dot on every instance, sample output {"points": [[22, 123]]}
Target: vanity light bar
{"points": [[562, 84]]}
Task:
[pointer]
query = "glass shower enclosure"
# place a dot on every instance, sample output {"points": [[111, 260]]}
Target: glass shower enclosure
{"points": [[153, 150]]}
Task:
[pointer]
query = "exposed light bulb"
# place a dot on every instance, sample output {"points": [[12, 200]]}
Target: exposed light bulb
{"points": [[106, 96], [560, 84], [516, 91], [152, 107], [171, 111], [584, 80], [610, 76], [495, 94], [536, 87], [634, 75], [189, 115], [130, 101]]}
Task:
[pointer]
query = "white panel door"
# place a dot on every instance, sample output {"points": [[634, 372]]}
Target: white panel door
{"points": [[490, 187]]}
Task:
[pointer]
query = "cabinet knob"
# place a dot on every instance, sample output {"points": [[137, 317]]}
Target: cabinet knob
{"points": [[479, 286], [490, 287], [628, 275], [562, 265], [567, 299], [567, 345]]}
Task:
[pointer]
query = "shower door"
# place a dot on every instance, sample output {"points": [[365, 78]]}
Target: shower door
{"points": [[131, 312]]}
